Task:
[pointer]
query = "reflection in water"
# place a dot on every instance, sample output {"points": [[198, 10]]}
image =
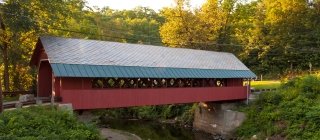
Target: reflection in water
{"points": [[149, 130]]}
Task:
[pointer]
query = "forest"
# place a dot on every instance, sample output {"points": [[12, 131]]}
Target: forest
{"points": [[272, 37]]}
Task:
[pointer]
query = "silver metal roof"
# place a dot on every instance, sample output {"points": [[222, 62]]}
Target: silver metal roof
{"points": [[93, 52], [80, 70]]}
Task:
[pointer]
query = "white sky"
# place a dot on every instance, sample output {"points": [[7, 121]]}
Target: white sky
{"points": [[130, 4]]}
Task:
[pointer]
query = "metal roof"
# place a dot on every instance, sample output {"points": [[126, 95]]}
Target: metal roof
{"points": [[78, 70], [131, 60]]}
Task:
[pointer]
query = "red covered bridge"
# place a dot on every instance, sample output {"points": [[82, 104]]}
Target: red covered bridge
{"points": [[94, 74]]}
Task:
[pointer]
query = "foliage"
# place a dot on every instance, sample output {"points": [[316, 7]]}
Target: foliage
{"points": [[183, 113], [270, 36], [26, 20], [8, 98], [280, 34], [202, 28], [181, 26], [291, 113], [44, 123]]}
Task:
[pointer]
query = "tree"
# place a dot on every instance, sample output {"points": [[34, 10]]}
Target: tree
{"points": [[209, 27], [217, 17], [26, 20], [1, 99], [23, 22], [4, 49], [182, 27], [278, 34]]}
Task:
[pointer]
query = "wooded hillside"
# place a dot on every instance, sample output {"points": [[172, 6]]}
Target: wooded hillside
{"points": [[270, 36]]}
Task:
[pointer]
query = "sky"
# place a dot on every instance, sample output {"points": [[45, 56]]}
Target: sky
{"points": [[130, 4]]}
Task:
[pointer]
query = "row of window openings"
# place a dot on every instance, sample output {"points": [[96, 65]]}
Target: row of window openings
{"points": [[151, 82]]}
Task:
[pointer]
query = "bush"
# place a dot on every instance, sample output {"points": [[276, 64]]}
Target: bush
{"points": [[291, 113], [39, 122], [184, 113]]}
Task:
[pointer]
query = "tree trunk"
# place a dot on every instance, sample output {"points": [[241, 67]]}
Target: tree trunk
{"points": [[5, 58], [6, 67], [1, 102]]}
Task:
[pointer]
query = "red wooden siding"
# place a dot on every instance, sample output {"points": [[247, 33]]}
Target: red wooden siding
{"points": [[39, 54], [44, 79], [112, 98], [76, 83], [57, 87], [234, 82], [79, 92]]}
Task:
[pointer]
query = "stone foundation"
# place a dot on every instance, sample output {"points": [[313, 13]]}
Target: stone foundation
{"points": [[217, 118]]}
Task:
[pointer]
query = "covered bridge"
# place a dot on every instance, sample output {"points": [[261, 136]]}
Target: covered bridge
{"points": [[94, 74]]}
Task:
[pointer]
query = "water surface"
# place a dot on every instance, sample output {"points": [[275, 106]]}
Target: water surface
{"points": [[149, 130]]}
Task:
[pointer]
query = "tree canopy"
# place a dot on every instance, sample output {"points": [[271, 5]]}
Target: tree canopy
{"points": [[270, 36]]}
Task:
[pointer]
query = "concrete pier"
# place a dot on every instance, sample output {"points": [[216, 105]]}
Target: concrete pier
{"points": [[217, 118]]}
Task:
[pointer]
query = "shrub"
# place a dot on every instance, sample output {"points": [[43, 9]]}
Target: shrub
{"points": [[184, 113], [290, 113], [309, 84], [38, 122]]}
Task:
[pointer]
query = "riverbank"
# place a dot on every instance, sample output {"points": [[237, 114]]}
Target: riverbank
{"points": [[169, 129], [156, 131], [106, 133], [292, 112]]}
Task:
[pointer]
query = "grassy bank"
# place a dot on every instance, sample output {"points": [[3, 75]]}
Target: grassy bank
{"points": [[8, 99], [265, 84], [293, 112], [47, 122]]}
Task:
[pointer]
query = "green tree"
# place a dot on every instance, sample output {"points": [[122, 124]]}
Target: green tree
{"points": [[182, 27], [23, 21], [217, 17], [26, 20], [209, 27], [279, 35]]}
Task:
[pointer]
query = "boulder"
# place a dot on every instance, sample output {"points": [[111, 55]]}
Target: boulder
{"points": [[26, 98], [39, 102], [18, 105]]}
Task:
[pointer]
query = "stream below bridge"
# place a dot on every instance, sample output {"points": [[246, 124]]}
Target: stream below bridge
{"points": [[151, 130]]}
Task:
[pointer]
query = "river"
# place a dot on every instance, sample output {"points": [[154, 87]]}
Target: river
{"points": [[150, 130]]}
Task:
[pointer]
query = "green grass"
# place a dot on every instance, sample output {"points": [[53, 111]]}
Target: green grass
{"points": [[265, 84], [8, 99]]}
